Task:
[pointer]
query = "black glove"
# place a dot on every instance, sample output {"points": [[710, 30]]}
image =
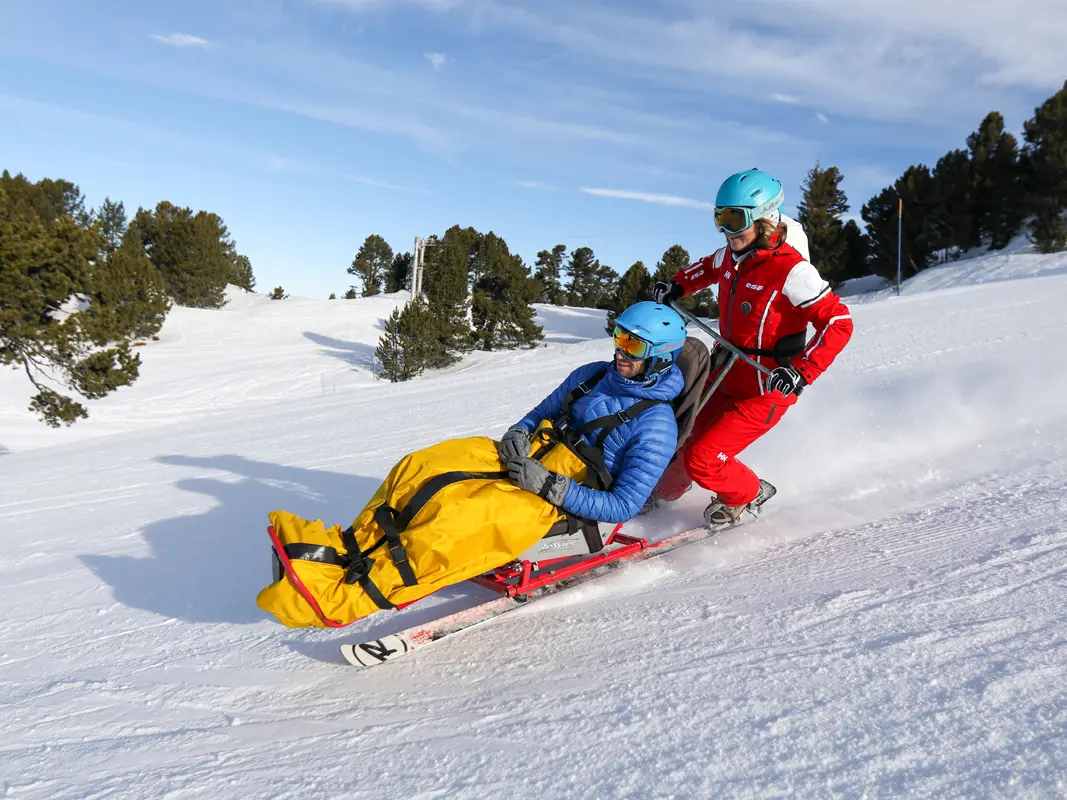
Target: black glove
{"points": [[530, 475], [785, 380], [513, 445], [665, 291]]}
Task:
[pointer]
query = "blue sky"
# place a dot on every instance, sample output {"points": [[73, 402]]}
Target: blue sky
{"points": [[309, 124]]}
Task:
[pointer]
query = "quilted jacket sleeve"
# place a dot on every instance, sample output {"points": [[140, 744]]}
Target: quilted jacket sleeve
{"points": [[652, 438], [550, 407]]}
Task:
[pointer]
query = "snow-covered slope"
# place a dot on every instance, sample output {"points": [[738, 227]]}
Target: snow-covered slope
{"points": [[893, 626]]}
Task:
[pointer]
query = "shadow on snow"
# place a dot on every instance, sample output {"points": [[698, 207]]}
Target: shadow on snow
{"points": [[210, 567], [357, 354]]}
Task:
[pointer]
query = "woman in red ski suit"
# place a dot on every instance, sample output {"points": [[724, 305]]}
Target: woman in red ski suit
{"points": [[768, 294]]}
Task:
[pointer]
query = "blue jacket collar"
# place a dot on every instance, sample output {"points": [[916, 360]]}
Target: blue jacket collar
{"points": [[665, 386]]}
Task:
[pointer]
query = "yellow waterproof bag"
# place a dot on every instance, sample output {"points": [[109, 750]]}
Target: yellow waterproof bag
{"points": [[443, 515]]}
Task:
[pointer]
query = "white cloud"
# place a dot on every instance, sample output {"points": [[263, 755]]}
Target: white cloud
{"points": [[860, 59], [359, 6], [383, 184], [437, 60], [181, 40], [541, 187], [822, 118], [647, 197], [784, 98]]}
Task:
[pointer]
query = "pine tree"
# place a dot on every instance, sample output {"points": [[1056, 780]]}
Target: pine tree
{"points": [[1049, 231], [996, 182], [591, 283], [880, 215], [242, 274], [65, 200], [278, 294], [549, 271], [333, 296], [820, 209], [952, 215], [391, 358], [192, 252], [46, 201], [1045, 165], [351, 293], [410, 337], [127, 298], [446, 284], [399, 276], [634, 286], [856, 249], [502, 293], [372, 264], [42, 268], [924, 225], [111, 219], [675, 258]]}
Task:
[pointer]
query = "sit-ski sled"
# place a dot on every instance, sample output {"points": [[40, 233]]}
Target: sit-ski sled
{"points": [[564, 559]]}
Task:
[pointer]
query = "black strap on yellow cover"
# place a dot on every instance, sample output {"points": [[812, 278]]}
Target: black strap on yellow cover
{"points": [[359, 566], [393, 523], [357, 563], [385, 516]]}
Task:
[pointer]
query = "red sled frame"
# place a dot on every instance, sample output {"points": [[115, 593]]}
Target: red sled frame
{"points": [[518, 578]]}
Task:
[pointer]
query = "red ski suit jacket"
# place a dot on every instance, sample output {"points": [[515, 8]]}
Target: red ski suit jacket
{"points": [[766, 295]]}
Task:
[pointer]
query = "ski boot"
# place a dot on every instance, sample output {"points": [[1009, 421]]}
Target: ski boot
{"points": [[719, 516]]}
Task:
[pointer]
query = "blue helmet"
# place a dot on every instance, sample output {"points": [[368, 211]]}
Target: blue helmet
{"points": [[745, 197], [659, 328]]}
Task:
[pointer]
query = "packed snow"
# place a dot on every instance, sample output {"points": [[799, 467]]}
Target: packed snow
{"points": [[893, 626]]}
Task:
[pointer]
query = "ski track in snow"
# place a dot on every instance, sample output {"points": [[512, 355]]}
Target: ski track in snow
{"points": [[893, 626]]}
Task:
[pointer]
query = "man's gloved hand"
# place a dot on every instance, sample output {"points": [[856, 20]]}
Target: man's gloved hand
{"points": [[530, 475], [665, 291], [513, 445], [786, 380]]}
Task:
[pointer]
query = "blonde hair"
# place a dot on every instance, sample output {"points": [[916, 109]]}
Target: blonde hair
{"points": [[770, 235]]}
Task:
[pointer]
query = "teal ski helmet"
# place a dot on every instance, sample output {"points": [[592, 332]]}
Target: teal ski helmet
{"points": [[650, 332], [745, 197]]}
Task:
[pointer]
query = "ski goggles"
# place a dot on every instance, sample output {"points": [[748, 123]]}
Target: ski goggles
{"points": [[733, 219], [629, 345]]}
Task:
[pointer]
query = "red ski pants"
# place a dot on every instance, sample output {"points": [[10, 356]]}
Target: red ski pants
{"points": [[724, 427]]}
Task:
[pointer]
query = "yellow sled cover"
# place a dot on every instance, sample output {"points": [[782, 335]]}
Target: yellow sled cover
{"points": [[443, 515]]}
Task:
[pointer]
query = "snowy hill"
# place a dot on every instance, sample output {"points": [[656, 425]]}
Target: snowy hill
{"points": [[893, 626]]}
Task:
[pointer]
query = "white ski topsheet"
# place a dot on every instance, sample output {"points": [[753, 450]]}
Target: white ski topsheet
{"points": [[893, 625]]}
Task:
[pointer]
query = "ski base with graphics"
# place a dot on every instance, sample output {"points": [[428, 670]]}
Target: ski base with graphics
{"points": [[544, 583]]}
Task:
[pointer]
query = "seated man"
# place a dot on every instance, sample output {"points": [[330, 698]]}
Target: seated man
{"points": [[618, 414], [448, 512]]}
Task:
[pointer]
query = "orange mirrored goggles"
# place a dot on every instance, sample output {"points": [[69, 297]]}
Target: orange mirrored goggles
{"points": [[629, 345], [731, 219]]}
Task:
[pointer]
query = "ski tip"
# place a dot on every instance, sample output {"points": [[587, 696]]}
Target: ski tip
{"points": [[368, 654], [349, 652]]}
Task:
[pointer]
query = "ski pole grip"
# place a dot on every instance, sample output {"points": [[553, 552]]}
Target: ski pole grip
{"points": [[714, 334]]}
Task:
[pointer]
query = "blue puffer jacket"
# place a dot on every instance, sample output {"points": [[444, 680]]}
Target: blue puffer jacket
{"points": [[635, 453]]}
